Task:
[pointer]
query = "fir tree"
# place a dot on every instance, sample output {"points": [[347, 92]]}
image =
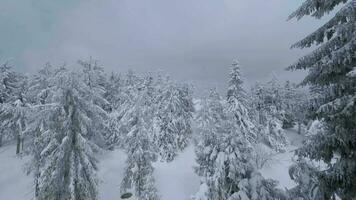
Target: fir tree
{"points": [[138, 176], [224, 158], [173, 122], [268, 101], [329, 66], [237, 103], [13, 106], [66, 139]]}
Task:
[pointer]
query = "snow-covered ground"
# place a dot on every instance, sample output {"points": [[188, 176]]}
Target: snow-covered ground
{"points": [[277, 169], [175, 180], [14, 184]]}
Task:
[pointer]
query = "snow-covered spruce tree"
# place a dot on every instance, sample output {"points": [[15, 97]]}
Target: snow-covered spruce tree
{"points": [[67, 138], [223, 155], [115, 96], [38, 86], [289, 95], [138, 177], [9, 88], [237, 103], [330, 65], [295, 106], [127, 98], [114, 90], [94, 77], [8, 82], [274, 133], [173, 119], [267, 100], [304, 172], [13, 122], [14, 108], [209, 120], [258, 104]]}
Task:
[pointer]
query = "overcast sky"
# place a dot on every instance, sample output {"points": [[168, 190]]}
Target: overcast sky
{"points": [[192, 40]]}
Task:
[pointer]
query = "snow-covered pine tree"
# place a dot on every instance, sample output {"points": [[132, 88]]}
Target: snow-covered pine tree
{"points": [[9, 88], [289, 94], [304, 172], [13, 122], [93, 75], [274, 133], [8, 82], [138, 177], [14, 107], [95, 78], [114, 89], [67, 138], [268, 102], [330, 65], [115, 96], [209, 120], [38, 87], [224, 158], [122, 93], [258, 104], [173, 119], [237, 103], [165, 121]]}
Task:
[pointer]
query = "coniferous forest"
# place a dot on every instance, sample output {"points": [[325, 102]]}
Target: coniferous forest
{"points": [[79, 131]]}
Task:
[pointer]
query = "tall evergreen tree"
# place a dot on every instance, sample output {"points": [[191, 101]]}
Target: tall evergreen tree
{"points": [[330, 65], [267, 100], [13, 105], [237, 103], [138, 176], [224, 158], [66, 138], [173, 120]]}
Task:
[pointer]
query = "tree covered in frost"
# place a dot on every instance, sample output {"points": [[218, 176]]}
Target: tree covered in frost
{"points": [[224, 158], [138, 177], [330, 64], [288, 96], [67, 135], [304, 172], [173, 119], [39, 85], [8, 83], [209, 120], [274, 133], [295, 105], [13, 105], [237, 103], [267, 100], [95, 78]]}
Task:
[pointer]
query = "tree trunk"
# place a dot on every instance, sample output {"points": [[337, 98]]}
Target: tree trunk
{"points": [[18, 144], [37, 184], [299, 128], [22, 145], [0, 140]]}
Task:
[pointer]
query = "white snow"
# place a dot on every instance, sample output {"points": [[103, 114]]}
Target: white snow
{"points": [[14, 184], [175, 180], [352, 73], [279, 167]]}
